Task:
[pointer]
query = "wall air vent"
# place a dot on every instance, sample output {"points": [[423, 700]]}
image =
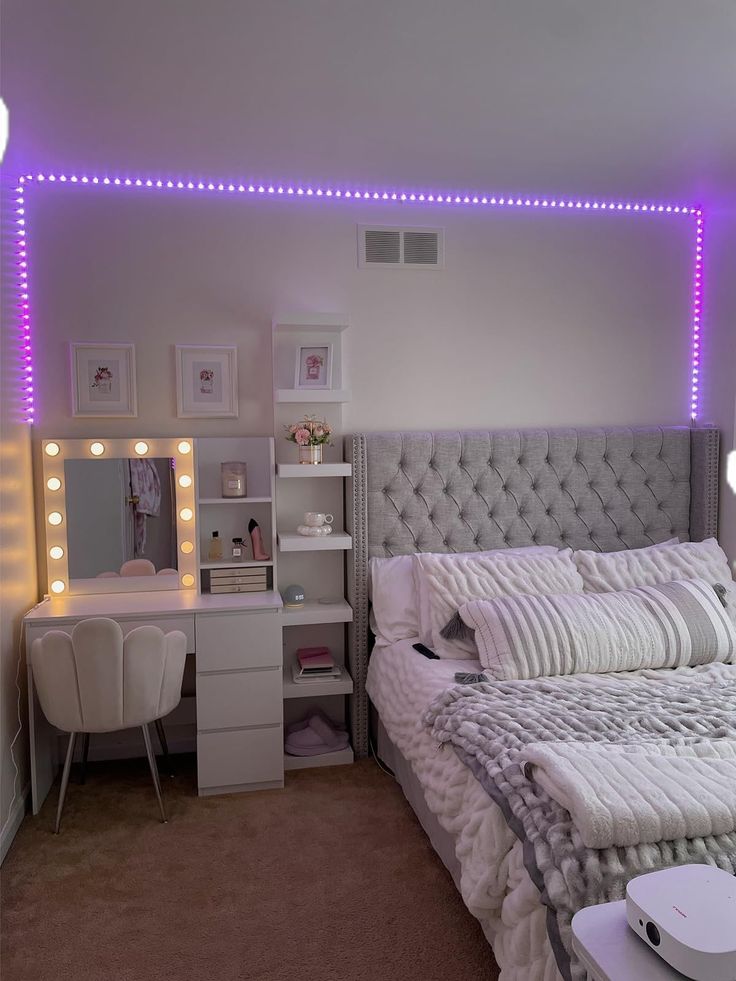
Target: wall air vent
{"points": [[402, 248]]}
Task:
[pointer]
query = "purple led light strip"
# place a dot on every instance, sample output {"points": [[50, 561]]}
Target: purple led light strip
{"points": [[441, 198]]}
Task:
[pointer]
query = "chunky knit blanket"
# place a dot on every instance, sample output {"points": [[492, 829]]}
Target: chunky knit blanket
{"points": [[494, 726]]}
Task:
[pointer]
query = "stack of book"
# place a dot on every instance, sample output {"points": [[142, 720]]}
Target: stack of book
{"points": [[314, 664]]}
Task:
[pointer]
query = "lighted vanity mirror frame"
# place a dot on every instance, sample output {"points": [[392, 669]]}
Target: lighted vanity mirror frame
{"points": [[56, 452]]}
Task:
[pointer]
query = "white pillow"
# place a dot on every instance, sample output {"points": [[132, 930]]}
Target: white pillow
{"points": [[662, 626], [443, 587], [605, 572], [393, 594], [394, 599]]}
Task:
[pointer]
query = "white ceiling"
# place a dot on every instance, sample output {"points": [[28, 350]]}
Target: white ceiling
{"points": [[575, 96]]}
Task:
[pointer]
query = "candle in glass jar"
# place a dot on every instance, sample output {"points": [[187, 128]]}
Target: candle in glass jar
{"points": [[233, 479]]}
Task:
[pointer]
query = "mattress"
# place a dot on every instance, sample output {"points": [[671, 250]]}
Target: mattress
{"points": [[488, 868]]}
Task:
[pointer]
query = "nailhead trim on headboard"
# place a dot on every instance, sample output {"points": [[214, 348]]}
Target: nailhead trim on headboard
{"points": [[607, 489]]}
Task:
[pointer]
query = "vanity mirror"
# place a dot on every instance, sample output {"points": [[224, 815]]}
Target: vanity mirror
{"points": [[119, 515]]}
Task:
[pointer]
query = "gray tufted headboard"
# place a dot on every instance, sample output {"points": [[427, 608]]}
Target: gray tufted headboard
{"points": [[605, 489]]}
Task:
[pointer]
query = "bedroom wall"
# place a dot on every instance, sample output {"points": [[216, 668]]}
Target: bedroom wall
{"points": [[17, 561], [561, 96]]}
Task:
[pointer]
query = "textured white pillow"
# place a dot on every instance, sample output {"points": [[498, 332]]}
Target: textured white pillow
{"points": [[393, 593], [443, 587], [605, 572]]}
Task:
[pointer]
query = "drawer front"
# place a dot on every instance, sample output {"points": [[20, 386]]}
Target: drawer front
{"points": [[241, 756], [233, 641], [245, 698], [167, 624]]}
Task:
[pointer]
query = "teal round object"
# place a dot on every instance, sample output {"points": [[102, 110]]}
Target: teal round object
{"points": [[293, 596]]}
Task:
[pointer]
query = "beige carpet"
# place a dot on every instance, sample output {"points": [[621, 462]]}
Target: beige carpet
{"points": [[331, 879]]}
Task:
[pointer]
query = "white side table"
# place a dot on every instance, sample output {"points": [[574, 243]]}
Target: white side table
{"points": [[611, 951]]}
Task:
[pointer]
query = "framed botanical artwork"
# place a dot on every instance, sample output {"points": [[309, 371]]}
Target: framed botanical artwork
{"points": [[314, 367], [103, 380], [206, 382]]}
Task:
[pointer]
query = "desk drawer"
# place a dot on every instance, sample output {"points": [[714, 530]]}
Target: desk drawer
{"points": [[243, 698], [240, 757], [167, 624], [232, 641]]}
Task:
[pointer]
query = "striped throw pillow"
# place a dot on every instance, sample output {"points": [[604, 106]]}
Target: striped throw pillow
{"points": [[673, 624]]}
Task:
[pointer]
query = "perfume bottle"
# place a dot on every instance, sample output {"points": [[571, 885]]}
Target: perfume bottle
{"points": [[238, 550], [214, 553]]}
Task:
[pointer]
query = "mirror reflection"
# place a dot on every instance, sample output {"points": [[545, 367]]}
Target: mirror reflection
{"points": [[120, 518]]}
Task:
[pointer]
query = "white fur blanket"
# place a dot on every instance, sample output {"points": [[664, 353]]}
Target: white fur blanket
{"points": [[624, 795]]}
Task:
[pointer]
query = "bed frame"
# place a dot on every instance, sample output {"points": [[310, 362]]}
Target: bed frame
{"points": [[606, 489]]}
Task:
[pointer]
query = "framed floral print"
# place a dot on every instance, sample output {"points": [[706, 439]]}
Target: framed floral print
{"points": [[206, 382], [314, 367], [103, 380]]}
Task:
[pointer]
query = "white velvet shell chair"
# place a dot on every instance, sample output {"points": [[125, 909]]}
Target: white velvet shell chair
{"points": [[94, 681]]}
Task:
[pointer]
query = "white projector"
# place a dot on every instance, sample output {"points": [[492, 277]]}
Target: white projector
{"points": [[687, 914]]}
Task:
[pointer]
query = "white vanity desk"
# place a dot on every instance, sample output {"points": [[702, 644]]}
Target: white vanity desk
{"points": [[237, 642]]}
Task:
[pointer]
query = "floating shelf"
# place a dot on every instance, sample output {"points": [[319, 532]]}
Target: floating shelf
{"points": [[314, 470], [292, 542], [315, 612], [250, 564], [235, 500], [332, 323], [338, 758], [313, 395], [318, 689]]}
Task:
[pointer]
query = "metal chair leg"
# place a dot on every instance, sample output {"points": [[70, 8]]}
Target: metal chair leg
{"points": [[154, 771], [164, 746], [65, 780], [85, 756]]}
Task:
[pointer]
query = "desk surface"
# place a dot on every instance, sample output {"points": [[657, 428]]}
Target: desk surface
{"points": [[611, 951], [161, 603]]}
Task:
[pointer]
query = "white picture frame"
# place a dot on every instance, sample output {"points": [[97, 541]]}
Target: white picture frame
{"points": [[103, 382], [206, 382], [313, 366]]}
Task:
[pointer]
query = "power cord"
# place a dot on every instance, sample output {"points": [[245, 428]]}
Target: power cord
{"points": [[379, 762], [16, 778]]}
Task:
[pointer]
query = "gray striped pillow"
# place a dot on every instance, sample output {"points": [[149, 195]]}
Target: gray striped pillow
{"points": [[665, 626]]}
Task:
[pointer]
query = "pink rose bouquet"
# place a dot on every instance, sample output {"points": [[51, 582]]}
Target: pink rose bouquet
{"points": [[310, 431]]}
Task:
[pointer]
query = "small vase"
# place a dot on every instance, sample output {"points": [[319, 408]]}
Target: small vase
{"points": [[310, 454]]}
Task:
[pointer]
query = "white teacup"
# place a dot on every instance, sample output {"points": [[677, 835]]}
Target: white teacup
{"points": [[315, 519]]}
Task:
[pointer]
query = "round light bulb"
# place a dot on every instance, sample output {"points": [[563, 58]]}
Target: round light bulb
{"points": [[55, 518], [97, 449], [57, 586], [187, 548], [141, 448], [53, 483], [185, 447], [52, 449], [56, 552], [187, 580], [186, 514], [185, 480]]}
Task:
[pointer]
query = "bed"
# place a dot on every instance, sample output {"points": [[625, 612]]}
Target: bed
{"points": [[604, 489]]}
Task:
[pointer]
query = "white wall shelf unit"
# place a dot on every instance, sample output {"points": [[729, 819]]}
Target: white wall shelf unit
{"points": [[338, 758], [317, 689], [290, 470], [302, 488], [315, 612], [293, 542], [230, 515]]}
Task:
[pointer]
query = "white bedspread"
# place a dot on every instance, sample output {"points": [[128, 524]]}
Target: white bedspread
{"points": [[494, 882], [623, 795]]}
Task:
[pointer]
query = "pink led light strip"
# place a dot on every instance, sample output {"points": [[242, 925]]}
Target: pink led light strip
{"points": [[439, 198]]}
